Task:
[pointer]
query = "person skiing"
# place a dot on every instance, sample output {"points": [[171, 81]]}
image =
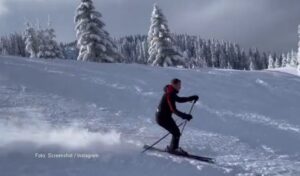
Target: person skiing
{"points": [[165, 109]]}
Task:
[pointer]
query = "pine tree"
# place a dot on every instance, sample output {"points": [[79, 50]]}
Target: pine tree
{"points": [[42, 43], [238, 56], [264, 60], [161, 50], [31, 41], [277, 62], [298, 50], [244, 60], [54, 48], [223, 58], [252, 65], [93, 41], [49, 48], [257, 59], [294, 61], [214, 57], [288, 58], [284, 60], [271, 62], [229, 65]]}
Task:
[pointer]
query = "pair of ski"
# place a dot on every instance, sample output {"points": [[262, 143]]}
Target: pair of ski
{"points": [[189, 156]]}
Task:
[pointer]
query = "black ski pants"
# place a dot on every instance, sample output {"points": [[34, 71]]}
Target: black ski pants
{"points": [[170, 125]]}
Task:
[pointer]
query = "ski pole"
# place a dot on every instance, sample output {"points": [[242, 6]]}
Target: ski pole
{"points": [[185, 122], [160, 139], [182, 123]]}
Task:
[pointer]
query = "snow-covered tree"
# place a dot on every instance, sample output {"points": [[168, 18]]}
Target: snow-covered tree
{"points": [[223, 58], [298, 49], [3, 50], [293, 61], [244, 60], [237, 56], [13, 44], [257, 60], [252, 65], [161, 48], [49, 48], [229, 65], [277, 62], [271, 62], [31, 40], [214, 57], [93, 41], [288, 58], [253, 57], [42, 42], [264, 60], [186, 56], [284, 60]]}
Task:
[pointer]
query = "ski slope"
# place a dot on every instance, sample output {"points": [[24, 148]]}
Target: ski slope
{"points": [[248, 121], [287, 69]]}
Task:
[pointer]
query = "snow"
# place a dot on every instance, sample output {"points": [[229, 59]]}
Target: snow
{"points": [[288, 69], [93, 119]]}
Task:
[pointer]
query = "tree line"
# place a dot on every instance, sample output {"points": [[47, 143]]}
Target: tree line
{"points": [[160, 47]]}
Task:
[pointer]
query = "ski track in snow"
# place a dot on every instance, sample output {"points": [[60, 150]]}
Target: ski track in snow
{"points": [[44, 119], [234, 156], [254, 118]]}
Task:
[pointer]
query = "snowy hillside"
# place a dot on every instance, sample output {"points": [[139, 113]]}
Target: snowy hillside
{"points": [[287, 69], [248, 121]]}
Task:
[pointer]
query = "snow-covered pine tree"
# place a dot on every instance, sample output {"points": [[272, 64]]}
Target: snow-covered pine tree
{"points": [[3, 46], [277, 62], [229, 65], [298, 50], [271, 62], [189, 59], [214, 57], [144, 51], [264, 59], [31, 41], [288, 58], [223, 57], [244, 60], [207, 52], [218, 53], [294, 61], [252, 65], [54, 48], [42, 42], [284, 60], [251, 59], [49, 48], [13, 44], [257, 59], [238, 56], [233, 59], [93, 41], [161, 50]]}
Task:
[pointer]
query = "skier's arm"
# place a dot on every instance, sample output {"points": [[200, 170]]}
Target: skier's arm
{"points": [[183, 99], [171, 102]]}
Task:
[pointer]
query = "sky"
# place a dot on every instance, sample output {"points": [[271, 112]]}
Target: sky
{"points": [[269, 25]]}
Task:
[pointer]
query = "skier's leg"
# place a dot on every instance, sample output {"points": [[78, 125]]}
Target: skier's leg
{"points": [[171, 126], [174, 130]]}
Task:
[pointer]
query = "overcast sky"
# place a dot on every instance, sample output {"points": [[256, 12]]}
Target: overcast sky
{"points": [[270, 25]]}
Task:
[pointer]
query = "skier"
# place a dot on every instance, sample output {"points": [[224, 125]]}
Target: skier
{"points": [[165, 109]]}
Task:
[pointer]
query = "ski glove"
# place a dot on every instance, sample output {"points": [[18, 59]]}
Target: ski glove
{"points": [[187, 117], [195, 98]]}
